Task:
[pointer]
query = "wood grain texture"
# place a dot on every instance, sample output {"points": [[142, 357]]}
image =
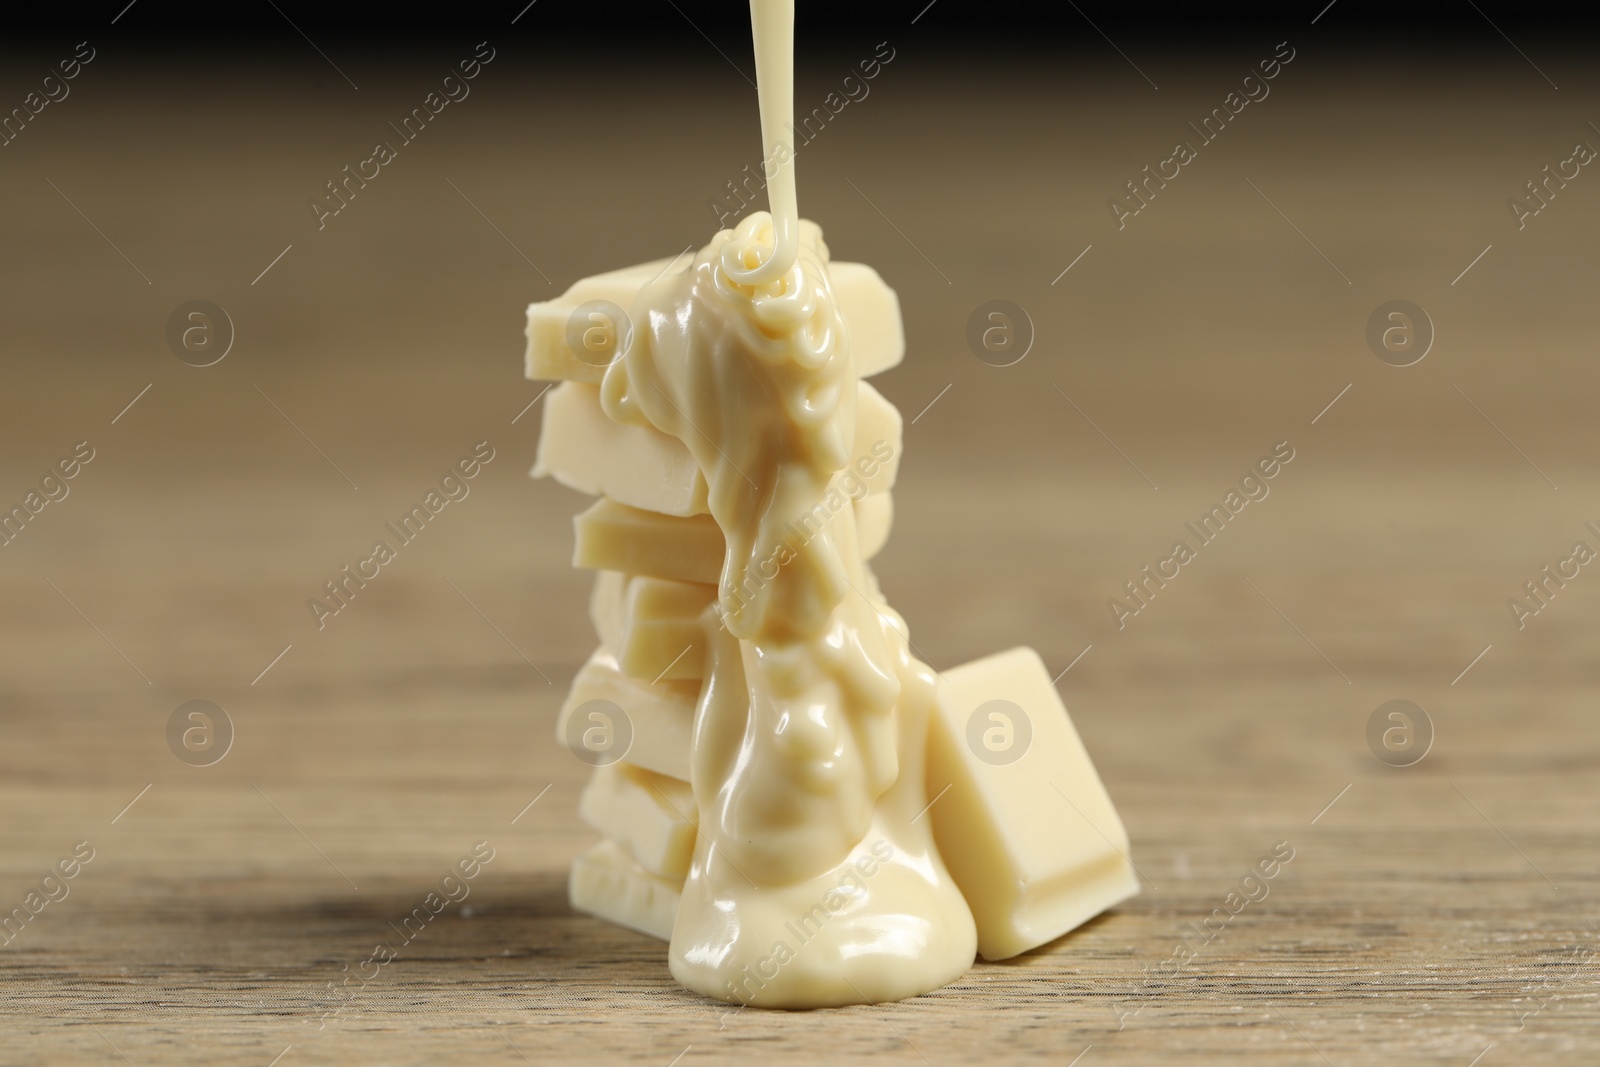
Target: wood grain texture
{"points": [[1432, 915]]}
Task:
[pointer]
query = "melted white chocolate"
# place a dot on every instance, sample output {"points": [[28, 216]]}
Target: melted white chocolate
{"points": [[814, 880], [811, 884], [772, 25]]}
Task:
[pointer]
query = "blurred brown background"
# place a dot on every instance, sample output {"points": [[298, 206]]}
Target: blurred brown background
{"points": [[1434, 913]]}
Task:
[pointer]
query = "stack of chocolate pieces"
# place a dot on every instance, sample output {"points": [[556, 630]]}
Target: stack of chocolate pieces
{"points": [[1019, 814]]}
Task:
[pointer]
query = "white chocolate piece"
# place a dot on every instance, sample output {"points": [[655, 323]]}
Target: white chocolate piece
{"points": [[584, 450], [661, 715], [874, 518], [875, 460], [648, 814], [871, 313], [614, 537], [1035, 844], [651, 625], [644, 468], [550, 356], [870, 309], [605, 882]]}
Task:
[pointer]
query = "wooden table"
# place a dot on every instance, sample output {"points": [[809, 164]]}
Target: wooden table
{"points": [[1432, 914]]}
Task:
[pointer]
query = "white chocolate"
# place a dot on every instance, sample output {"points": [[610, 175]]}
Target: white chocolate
{"points": [[651, 625], [874, 520], [1035, 845], [648, 814], [584, 450], [819, 741], [606, 883], [644, 468], [813, 883], [614, 537], [661, 715], [871, 314], [772, 26], [870, 309]]}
